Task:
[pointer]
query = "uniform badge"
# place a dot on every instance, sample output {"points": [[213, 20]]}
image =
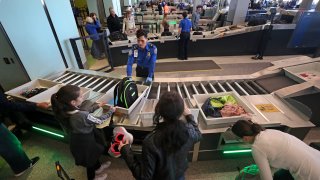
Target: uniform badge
{"points": [[155, 51], [148, 53], [135, 53], [130, 52]]}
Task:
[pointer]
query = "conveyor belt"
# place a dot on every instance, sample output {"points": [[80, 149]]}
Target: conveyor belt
{"points": [[187, 89]]}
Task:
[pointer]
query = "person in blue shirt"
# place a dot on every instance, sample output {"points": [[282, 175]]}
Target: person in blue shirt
{"points": [[184, 31], [97, 49], [145, 55]]}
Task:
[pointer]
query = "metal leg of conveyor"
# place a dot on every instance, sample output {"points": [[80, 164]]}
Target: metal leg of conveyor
{"points": [[147, 94], [212, 88], [168, 87], [250, 88], [68, 82], [85, 82], [92, 82], [194, 89], [66, 79], [179, 90], [99, 84], [61, 77], [221, 87], [81, 79], [203, 88], [158, 92], [259, 87], [106, 86], [245, 92], [186, 90], [232, 88]]}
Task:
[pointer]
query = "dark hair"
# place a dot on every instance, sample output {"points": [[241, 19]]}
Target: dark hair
{"points": [[173, 133], [246, 128], [61, 100], [184, 14], [92, 14], [141, 32], [199, 6]]}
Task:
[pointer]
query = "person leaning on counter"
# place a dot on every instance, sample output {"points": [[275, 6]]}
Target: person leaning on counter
{"points": [[145, 54]]}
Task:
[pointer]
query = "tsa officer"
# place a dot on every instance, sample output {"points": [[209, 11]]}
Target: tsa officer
{"points": [[145, 55], [184, 30]]}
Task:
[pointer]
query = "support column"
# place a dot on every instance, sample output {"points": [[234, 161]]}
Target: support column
{"points": [[238, 11]]}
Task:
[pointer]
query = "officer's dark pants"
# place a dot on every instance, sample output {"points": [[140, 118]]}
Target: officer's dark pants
{"points": [[142, 72], [11, 151], [183, 45], [264, 40]]}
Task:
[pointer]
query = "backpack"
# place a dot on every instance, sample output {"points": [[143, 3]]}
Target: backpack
{"points": [[197, 33], [211, 107], [125, 93], [249, 172]]}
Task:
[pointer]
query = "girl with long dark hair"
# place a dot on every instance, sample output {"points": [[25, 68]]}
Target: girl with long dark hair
{"points": [[80, 126], [279, 150], [165, 150]]}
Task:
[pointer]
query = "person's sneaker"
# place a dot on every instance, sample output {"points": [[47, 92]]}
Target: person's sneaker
{"points": [[101, 176], [121, 134], [33, 163], [103, 167], [114, 150]]}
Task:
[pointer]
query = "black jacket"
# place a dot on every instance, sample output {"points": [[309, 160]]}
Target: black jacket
{"points": [[113, 23], [155, 163], [6, 105]]}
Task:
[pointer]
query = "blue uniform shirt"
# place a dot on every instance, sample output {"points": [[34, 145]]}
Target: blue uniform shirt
{"points": [[145, 58], [185, 25]]}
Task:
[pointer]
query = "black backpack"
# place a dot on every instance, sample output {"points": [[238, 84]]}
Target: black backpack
{"points": [[118, 36], [126, 93]]}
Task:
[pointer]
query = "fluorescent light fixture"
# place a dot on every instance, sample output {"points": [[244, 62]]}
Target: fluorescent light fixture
{"points": [[48, 132], [237, 151]]}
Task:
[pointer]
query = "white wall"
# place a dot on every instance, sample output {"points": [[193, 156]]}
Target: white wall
{"points": [[112, 3], [64, 23], [29, 31]]}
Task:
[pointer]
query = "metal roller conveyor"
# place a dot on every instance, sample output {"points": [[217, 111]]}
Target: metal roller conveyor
{"points": [[66, 79], [245, 92], [158, 91], [73, 79], [194, 89], [179, 90], [250, 88], [95, 87], [232, 89], [259, 87], [78, 81], [221, 87], [85, 82], [105, 87], [89, 85], [203, 88], [61, 77], [186, 91], [212, 88]]}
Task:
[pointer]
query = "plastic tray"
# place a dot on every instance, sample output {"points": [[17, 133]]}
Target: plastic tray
{"points": [[304, 72], [46, 95], [108, 99], [201, 98], [147, 112], [38, 83]]}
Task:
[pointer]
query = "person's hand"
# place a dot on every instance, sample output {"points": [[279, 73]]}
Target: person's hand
{"points": [[113, 109], [148, 80], [123, 144], [186, 110], [43, 105], [101, 104]]}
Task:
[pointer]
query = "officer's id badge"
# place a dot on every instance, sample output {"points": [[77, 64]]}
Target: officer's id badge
{"points": [[135, 53], [130, 52], [148, 54], [155, 51]]}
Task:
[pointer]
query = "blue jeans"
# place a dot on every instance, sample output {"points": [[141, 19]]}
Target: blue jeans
{"points": [[11, 151]]}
